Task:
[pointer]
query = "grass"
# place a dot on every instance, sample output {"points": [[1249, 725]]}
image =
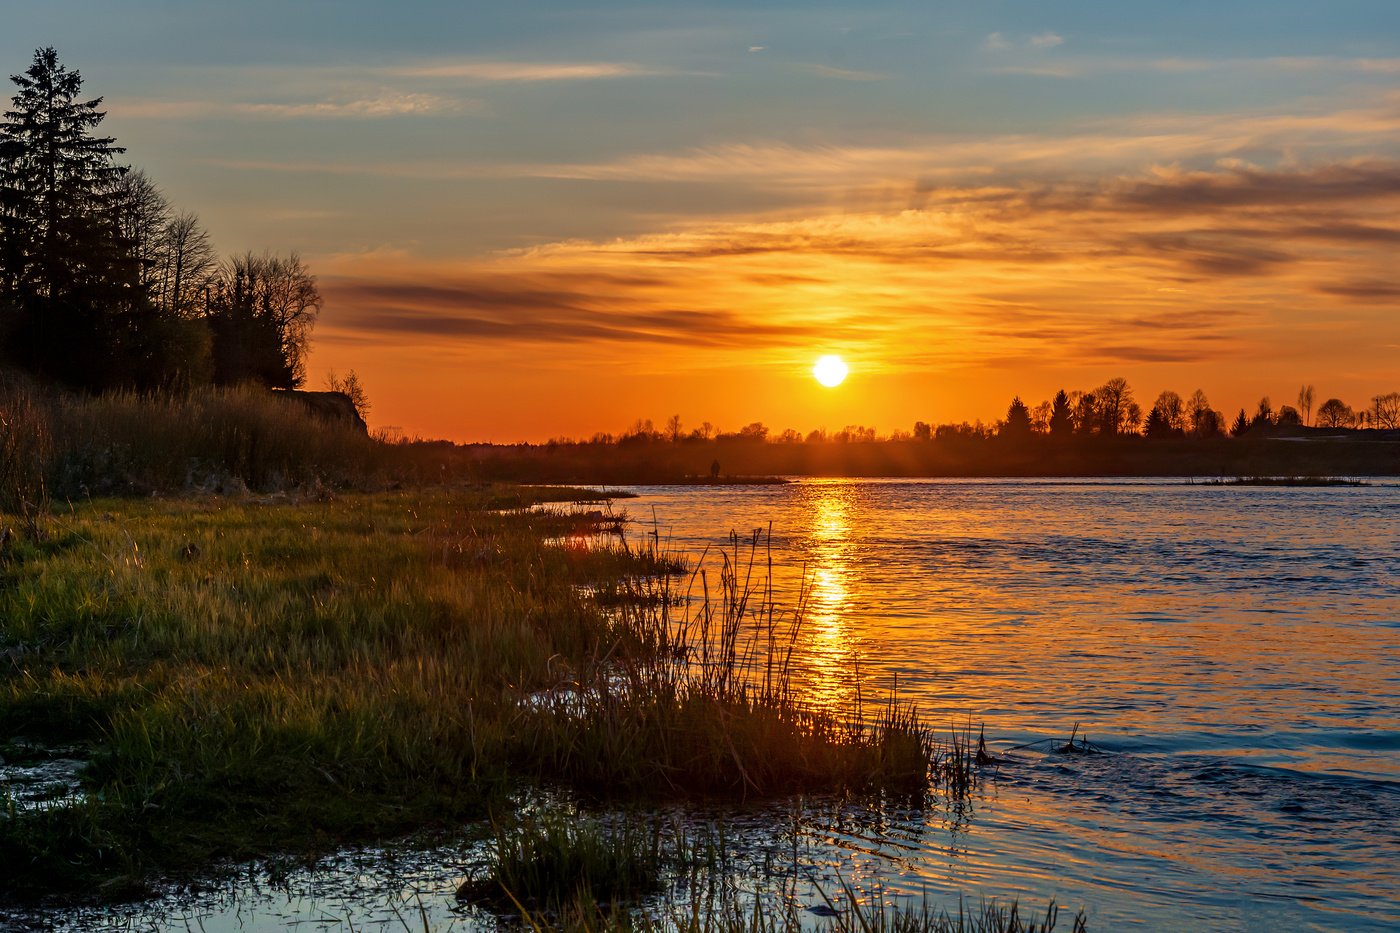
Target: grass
{"points": [[1286, 481], [560, 860], [567, 871], [291, 674]]}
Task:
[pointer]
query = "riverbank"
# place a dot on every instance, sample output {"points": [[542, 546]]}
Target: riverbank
{"points": [[226, 678]]}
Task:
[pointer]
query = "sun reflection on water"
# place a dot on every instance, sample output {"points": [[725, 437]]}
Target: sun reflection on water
{"points": [[833, 651]]}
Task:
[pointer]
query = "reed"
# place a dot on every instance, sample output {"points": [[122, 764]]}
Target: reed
{"points": [[296, 672]]}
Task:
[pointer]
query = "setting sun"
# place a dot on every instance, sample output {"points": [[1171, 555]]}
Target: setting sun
{"points": [[830, 371]]}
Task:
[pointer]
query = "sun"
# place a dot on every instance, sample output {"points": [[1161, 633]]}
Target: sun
{"points": [[830, 371]]}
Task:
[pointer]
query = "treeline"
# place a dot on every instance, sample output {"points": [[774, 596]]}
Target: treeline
{"points": [[104, 284], [1109, 411]]}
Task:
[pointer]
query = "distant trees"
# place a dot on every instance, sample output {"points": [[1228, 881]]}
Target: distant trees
{"points": [[1334, 413], [1167, 417], [1385, 411], [1241, 425], [104, 284], [1018, 420], [260, 313], [1306, 394], [1061, 416]]}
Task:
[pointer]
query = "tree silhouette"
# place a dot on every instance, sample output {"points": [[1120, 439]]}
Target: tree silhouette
{"points": [[1241, 425], [1306, 394], [1018, 420], [70, 281], [1385, 411], [260, 314], [1061, 416], [1335, 413]]}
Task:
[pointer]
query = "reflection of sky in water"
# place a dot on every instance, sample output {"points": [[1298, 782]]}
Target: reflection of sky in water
{"points": [[1223, 644]]}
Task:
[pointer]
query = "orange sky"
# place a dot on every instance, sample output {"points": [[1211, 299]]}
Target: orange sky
{"points": [[553, 219], [1240, 280]]}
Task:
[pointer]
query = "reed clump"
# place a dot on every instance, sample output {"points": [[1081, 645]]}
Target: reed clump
{"points": [[561, 860]]}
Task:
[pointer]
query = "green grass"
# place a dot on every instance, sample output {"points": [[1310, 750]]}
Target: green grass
{"points": [[292, 674]]}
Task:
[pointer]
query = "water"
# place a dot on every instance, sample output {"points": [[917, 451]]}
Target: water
{"points": [[1235, 652]]}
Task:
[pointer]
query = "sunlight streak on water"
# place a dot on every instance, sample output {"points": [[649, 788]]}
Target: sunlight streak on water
{"points": [[1236, 650]]}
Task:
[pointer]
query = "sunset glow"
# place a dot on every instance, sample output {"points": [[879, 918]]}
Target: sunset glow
{"points": [[989, 203]]}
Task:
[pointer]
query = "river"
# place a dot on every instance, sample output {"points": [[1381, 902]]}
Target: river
{"points": [[1233, 652]]}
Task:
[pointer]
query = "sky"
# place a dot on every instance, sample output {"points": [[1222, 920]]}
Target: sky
{"points": [[549, 219]]}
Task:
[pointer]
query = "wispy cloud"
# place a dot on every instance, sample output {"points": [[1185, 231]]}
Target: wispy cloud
{"points": [[1000, 42], [844, 74], [378, 106], [367, 107], [1171, 266], [1092, 65], [501, 70]]}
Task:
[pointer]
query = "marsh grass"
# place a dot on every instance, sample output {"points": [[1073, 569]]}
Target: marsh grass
{"points": [[701, 700], [560, 860], [294, 673]]}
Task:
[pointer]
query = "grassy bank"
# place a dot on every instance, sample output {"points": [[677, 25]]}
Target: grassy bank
{"points": [[249, 676], [58, 446]]}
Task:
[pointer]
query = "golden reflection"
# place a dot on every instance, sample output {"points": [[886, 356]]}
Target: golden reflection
{"points": [[832, 653]]}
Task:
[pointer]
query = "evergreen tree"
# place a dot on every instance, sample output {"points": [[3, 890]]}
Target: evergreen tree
{"points": [[68, 280], [1061, 416], [1241, 424], [1018, 420]]}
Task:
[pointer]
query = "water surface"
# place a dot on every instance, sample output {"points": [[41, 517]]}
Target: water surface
{"points": [[1234, 650]]}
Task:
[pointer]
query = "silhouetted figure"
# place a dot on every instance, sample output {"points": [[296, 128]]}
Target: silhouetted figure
{"points": [[714, 470]]}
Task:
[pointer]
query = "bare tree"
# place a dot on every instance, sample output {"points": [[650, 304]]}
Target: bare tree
{"points": [[673, 428], [1334, 413], [141, 213], [1172, 410], [1385, 411], [261, 315], [1305, 403], [1198, 410], [350, 387], [188, 266], [1117, 413]]}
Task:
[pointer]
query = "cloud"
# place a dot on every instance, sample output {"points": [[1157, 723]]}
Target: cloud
{"points": [[366, 107], [376, 107], [844, 74], [999, 42], [500, 70], [1091, 65], [1202, 264]]}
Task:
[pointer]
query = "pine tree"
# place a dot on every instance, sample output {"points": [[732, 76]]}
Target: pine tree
{"points": [[66, 275], [1061, 416], [1018, 420], [1241, 424]]}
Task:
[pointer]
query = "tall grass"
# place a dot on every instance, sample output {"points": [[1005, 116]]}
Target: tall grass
{"points": [[564, 871], [257, 675], [701, 699], [65, 446]]}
